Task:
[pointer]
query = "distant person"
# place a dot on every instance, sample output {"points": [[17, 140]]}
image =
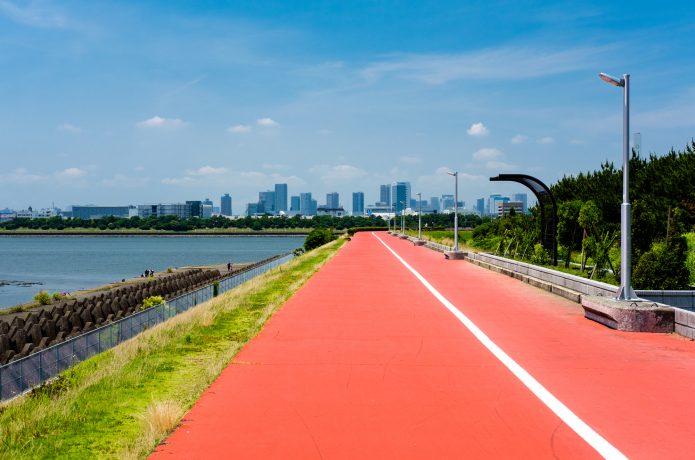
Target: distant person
{"points": [[229, 266]]}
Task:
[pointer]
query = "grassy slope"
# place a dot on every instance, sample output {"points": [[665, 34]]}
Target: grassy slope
{"points": [[111, 406]]}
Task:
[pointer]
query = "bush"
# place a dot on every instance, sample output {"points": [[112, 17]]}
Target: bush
{"points": [[318, 237], [57, 296], [170, 270], [353, 230], [540, 255], [298, 252], [663, 266], [152, 301], [215, 288], [42, 298]]}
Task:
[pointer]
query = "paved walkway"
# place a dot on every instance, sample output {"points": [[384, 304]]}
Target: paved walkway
{"points": [[367, 361]]}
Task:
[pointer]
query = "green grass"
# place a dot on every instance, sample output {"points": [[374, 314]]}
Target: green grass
{"points": [[103, 407]]}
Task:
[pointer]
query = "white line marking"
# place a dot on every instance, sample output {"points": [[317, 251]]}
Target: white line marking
{"points": [[595, 440]]}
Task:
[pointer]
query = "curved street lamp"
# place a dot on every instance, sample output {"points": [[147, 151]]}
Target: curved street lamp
{"points": [[625, 292]]}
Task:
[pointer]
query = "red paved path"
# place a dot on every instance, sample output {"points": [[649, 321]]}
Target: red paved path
{"points": [[364, 362]]}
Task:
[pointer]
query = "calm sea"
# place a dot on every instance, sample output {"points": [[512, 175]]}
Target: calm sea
{"points": [[68, 263]]}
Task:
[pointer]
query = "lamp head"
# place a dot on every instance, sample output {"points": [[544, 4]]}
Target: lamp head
{"points": [[612, 80], [453, 173]]}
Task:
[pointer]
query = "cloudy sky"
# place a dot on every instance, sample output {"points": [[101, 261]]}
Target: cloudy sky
{"points": [[127, 103]]}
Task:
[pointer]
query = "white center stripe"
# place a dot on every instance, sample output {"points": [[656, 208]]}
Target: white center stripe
{"points": [[595, 440]]}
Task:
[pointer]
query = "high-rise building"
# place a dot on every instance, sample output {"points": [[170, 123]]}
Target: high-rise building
{"points": [[226, 205], [294, 204], [206, 211], [434, 204], [385, 194], [400, 195], [251, 209], [358, 203], [332, 200], [491, 208], [180, 210], [207, 201], [196, 208], [523, 199], [497, 201], [480, 206], [307, 205], [266, 202], [447, 202], [280, 198]]}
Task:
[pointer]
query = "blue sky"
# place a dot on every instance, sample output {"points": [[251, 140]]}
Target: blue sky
{"points": [[128, 103]]}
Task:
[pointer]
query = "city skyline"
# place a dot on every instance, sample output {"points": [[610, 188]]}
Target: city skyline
{"points": [[167, 101]]}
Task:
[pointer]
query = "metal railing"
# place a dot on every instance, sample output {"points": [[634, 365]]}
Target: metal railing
{"points": [[26, 373]]}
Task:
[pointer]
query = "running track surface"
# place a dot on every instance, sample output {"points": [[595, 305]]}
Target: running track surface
{"points": [[365, 362]]}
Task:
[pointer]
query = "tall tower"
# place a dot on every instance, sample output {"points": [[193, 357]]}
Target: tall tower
{"points": [[226, 205], [280, 198], [358, 203]]}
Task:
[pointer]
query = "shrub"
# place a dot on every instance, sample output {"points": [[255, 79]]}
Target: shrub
{"points": [[663, 266], [298, 252], [318, 237], [42, 298], [540, 255], [152, 302], [170, 270], [215, 288], [57, 296]]}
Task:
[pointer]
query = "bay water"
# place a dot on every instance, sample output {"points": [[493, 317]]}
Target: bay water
{"points": [[68, 263]]}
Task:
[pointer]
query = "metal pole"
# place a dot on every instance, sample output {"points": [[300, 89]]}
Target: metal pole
{"points": [[419, 216], [456, 211], [403, 218], [626, 292]]}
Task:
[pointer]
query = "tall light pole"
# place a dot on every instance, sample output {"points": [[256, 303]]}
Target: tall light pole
{"points": [[456, 209], [625, 292], [403, 218], [419, 216]]}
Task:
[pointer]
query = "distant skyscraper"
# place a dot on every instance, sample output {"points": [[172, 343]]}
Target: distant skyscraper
{"points": [[491, 208], [358, 203], [385, 194], [294, 204], [480, 206], [226, 205], [332, 200], [207, 201], [280, 197], [447, 202], [400, 195], [434, 204], [266, 202], [307, 205], [523, 199]]}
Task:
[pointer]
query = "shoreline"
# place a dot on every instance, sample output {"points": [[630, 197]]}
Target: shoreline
{"points": [[149, 233]]}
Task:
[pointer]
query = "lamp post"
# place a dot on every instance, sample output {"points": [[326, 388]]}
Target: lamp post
{"points": [[625, 292], [456, 209], [403, 218], [419, 216]]}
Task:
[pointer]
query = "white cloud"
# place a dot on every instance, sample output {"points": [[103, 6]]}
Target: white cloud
{"points": [[519, 139], [71, 173], [478, 130], [159, 122], [32, 15], [546, 140], [139, 168], [441, 174], [123, 180], [266, 122], [410, 159], [20, 176], [487, 154], [207, 171], [69, 128], [276, 166], [239, 129], [178, 180], [487, 64], [337, 173], [500, 165]]}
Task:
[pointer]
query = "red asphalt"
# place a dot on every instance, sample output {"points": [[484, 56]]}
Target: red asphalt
{"points": [[364, 362]]}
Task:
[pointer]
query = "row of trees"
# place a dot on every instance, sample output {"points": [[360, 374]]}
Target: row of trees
{"points": [[662, 194], [173, 223]]}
